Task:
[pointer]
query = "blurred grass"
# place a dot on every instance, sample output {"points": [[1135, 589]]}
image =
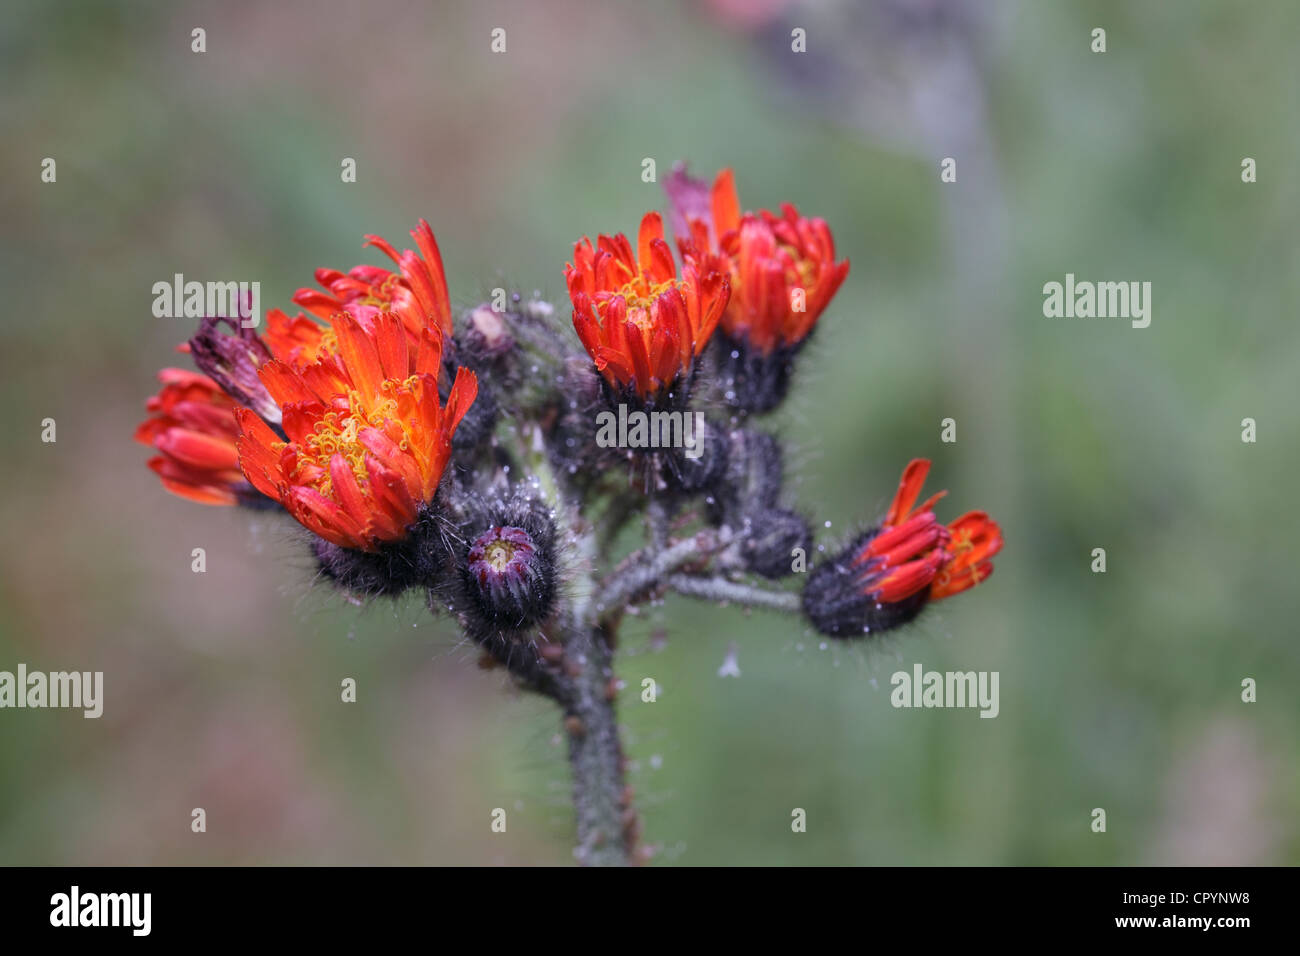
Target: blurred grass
{"points": [[1119, 691]]}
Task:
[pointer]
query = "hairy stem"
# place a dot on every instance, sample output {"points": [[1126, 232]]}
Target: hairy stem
{"points": [[645, 569], [735, 592], [585, 687], [607, 823]]}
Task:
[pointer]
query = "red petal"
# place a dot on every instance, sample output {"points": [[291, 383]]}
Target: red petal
{"points": [[198, 449], [909, 488]]}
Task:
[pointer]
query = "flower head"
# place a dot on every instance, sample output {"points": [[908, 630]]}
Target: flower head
{"points": [[888, 575], [417, 292], [642, 325], [783, 268], [192, 426], [366, 439]]}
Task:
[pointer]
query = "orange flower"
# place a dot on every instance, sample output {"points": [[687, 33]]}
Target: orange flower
{"points": [[367, 440], [974, 539], [783, 268], [417, 292], [886, 577], [641, 324], [192, 425], [911, 551]]}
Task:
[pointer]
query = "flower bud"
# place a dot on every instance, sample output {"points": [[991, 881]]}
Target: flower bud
{"points": [[769, 545], [510, 581], [888, 574], [755, 472], [487, 336], [703, 464], [505, 576]]}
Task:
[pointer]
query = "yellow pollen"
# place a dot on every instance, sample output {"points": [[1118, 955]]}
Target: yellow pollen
{"points": [[499, 554], [962, 541], [337, 434], [640, 296], [329, 344]]}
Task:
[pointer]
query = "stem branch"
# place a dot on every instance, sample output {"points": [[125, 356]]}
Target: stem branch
{"points": [[736, 592]]}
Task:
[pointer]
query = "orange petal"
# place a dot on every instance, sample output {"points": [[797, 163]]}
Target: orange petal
{"points": [[726, 204], [428, 360], [360, 358]]}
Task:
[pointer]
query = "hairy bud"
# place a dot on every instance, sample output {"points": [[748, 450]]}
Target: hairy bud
{"points": [[509, 579], [837, 605], [486, 335], [754, 381], [505, 569], [769, 545]]}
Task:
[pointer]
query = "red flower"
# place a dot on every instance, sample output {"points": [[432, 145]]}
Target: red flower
{"points": [[783, 269], [367, 440], [641, 324], [417, 292], [888, 576], [912, 551], [192, 425], [195, 462]]}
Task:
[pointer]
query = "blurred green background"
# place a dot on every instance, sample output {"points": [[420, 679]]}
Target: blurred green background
{"points": [[1119, 691]]}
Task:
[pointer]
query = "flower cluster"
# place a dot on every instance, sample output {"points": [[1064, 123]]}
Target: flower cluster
{"points": [[371, 417], [494, 459], [340, 422]]}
